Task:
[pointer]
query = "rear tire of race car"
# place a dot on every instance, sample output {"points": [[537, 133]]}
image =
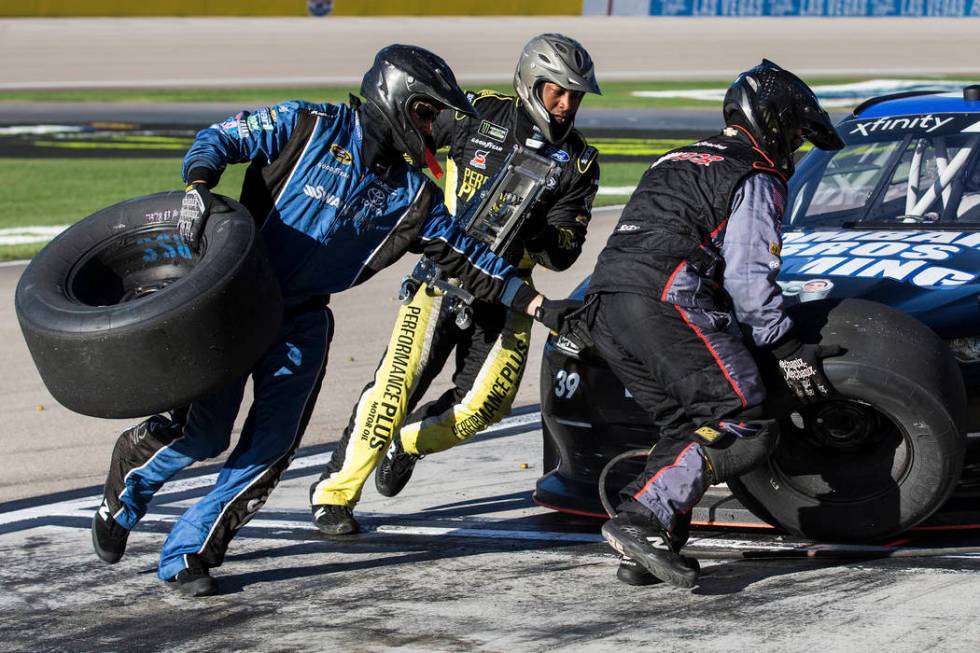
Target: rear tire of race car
{"points": [[124, 320], [882, 455]]}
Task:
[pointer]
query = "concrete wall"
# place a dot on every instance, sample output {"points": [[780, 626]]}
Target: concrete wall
{"points": [[69, 8]]}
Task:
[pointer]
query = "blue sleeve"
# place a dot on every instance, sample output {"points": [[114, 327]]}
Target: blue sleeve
{"points": [[243, 137], [482, 272], [751, 250]]}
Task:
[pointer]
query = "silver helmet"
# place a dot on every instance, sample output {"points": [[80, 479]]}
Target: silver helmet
{"points": [[560, 60], [409, 85]]}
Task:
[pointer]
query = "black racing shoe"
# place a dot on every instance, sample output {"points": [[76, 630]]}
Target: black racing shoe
{"points": [[335, 520], [195, 581], [108, 537], [395, 469], [633, 573], [648, 543]]}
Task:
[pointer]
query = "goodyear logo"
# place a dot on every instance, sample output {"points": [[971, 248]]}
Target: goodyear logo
{"points": [[341, 155]]}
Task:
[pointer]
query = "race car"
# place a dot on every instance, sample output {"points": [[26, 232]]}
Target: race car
{"points": [[881, 254]]}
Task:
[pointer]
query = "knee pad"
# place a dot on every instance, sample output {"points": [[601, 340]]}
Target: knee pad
{"points": [[736, 454]]}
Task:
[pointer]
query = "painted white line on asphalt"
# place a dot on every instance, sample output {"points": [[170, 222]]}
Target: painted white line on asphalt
{"points": [[616, 190], [84, 506], [13, 264], [6, 241], [18, 130], [490, 533], [27, 235], [39, 231]]}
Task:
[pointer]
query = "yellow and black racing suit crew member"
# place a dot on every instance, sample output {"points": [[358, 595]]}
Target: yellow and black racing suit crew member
{"points": [[553, 74]]}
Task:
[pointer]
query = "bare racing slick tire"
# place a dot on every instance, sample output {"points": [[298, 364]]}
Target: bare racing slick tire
{"points": [[124, 320], [885, 452]]}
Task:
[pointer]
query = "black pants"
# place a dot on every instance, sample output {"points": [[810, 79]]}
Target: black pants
{"points": [[691, 371]]}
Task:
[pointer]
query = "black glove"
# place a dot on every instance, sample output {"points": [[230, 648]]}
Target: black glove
{"points": [[801, 367], [552, 312], [197, 205], [575, 335]]}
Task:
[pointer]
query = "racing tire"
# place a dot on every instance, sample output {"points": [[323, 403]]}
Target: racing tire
{"points": [[124, 320], [885, 452]]}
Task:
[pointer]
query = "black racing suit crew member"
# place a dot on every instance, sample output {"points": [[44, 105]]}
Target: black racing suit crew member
{"points": [[340, 195], [553, 74], [693, 259]]}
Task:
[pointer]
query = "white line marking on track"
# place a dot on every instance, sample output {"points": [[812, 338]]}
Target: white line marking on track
{"points": [[489, 533], [616, 190], [84, 506], [27, 235]]}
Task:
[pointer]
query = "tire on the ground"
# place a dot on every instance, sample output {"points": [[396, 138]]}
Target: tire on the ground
{"points": [[838, 475], [124, 320]]}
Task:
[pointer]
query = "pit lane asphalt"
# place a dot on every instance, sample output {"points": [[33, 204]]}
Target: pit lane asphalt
{"points": [[460, 561]]}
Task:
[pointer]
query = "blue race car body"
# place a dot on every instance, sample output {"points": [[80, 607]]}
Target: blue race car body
{"points": [[893, 218]]}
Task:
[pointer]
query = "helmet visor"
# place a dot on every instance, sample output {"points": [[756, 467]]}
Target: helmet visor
{"points": [[423, 112], [818, 129]]}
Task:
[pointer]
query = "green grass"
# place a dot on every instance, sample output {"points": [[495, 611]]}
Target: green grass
{"points": [[614, 94], [61, 191], [619, 174], [47, 192]]}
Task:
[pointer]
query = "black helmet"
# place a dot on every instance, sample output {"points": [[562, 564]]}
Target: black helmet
{"points": [[557, 59], [410, 85], [780, 110]]}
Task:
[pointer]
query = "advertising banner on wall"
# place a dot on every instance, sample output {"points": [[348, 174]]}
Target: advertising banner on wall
{"points": [[831, 8]]}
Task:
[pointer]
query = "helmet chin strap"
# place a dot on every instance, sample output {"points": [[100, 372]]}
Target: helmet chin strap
{"points": [[433, 164]]}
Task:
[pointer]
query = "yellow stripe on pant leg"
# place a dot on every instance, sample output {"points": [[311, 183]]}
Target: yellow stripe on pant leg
{"points": [[383, 406], [487, 402]]}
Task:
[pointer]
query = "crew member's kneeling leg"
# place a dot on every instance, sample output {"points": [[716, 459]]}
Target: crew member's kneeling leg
{"points": [[651, 525], [754, 441]]}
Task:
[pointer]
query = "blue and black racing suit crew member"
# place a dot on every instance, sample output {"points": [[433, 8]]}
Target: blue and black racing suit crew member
{"points": [[340, 195], [693, 260], [552, 76]]}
